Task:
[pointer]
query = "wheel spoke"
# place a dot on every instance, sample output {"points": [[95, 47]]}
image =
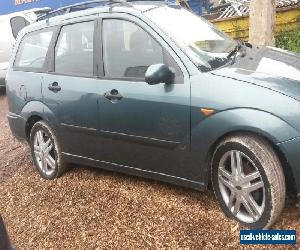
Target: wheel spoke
{"points": [[40, 138], [50, 161], [251, 177], [255, 186], [236, 163], [36, 142], [44, 165], [226, 182], [225, 173], [233, 163], [253, 204], [48, 142], [231, 199], [248, 208], [237, 206], [48, 149], [38, 154]]}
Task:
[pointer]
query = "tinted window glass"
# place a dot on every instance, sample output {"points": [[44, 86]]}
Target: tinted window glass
{"points": [[17, 23], [128, 50], [74, 49], [33, 49]]}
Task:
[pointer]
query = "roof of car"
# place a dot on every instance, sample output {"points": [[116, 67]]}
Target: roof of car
{"points": [[136, 4], [133, 7]]}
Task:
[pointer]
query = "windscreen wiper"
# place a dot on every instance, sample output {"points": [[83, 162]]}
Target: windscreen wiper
{"points": [[239, 47], [235, 50]]}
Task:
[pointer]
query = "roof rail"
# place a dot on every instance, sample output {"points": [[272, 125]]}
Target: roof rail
{"points": [[82, 6]]}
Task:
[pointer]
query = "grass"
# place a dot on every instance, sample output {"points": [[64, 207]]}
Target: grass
{"points": [[289, 40]]}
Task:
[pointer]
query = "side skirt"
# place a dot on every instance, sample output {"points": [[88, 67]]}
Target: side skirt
{"points": [[134, 171]]}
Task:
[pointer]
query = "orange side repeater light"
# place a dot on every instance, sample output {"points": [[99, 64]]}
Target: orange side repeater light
{"points": [[207, 112]]}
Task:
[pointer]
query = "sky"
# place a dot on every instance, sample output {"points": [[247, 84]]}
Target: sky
{"points": [[9, 6]]}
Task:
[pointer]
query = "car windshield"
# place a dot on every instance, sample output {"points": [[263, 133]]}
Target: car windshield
{"points": [[204, 44]]}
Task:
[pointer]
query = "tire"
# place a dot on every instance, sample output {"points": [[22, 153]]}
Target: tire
{"points": [[253, 194], [42, 140]]}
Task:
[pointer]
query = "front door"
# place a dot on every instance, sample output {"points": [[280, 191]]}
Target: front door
{"points": [[142, 126]]}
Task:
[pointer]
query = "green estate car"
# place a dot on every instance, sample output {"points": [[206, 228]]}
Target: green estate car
{"points": [[150, 89]]}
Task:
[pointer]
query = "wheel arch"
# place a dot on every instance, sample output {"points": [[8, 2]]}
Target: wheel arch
{"points": [[287, 169], [33, 119], [35, 111], [208, 133]]}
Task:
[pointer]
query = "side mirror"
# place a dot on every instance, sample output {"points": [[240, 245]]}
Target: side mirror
{"points": [[159, 73]]}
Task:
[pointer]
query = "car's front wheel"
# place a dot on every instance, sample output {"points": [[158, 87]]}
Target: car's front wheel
{"points": [[248, 180], [45, 150]]}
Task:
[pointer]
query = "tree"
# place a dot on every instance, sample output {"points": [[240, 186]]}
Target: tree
{"points": [[262, 22]]}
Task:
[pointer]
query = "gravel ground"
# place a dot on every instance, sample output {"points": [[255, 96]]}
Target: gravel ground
{"points": [[91, 208]]}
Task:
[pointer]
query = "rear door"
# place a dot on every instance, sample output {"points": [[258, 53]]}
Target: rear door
{"points": [[143, 127], [70, 89]]}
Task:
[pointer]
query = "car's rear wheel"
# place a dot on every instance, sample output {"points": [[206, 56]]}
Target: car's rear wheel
{"points": [[45, 151], [248, 180]]}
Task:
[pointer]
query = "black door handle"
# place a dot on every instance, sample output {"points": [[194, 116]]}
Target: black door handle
{"points": [[54, 87], [113, 95]]}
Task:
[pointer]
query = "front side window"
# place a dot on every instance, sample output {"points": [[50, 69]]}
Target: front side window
{"points": [[33, 49], [74, 49], [17, 23], [128, 50]]}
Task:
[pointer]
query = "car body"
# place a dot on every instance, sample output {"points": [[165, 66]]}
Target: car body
{"points": [[10, 25], [160, 128]]}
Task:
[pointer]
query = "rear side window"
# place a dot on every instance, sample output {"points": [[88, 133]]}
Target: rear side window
{"points": [[74, 49], [17, 23], [33, 50]]}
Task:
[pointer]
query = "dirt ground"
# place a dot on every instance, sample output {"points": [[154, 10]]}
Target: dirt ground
{"points": [[91, 208]]}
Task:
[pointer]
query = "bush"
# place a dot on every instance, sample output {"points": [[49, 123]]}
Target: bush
{"points": [[289, 40]]}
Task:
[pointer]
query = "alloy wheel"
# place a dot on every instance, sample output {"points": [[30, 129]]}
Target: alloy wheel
{"points": [[44, 152], [241, 186]]}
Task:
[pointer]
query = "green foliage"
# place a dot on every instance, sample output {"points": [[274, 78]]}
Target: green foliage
{"points": [[289, 40]]}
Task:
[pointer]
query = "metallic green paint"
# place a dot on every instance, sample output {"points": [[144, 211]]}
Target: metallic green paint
{"points": [[158, 131]]}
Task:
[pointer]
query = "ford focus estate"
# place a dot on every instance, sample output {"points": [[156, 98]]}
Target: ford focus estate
{"points": [[152, 90]]}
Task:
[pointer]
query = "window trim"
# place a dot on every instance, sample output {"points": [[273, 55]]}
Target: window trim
{"points": [[101, 59], [33, 69], [51, 61]]}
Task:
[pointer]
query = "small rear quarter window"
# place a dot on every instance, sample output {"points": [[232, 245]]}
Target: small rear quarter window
{"points": [[33, 50], [17, 23]]}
